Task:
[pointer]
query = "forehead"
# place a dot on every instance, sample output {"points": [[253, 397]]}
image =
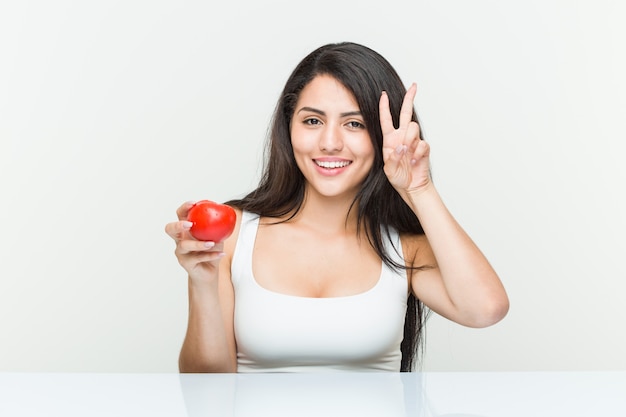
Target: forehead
{"points": [[325, 90]]}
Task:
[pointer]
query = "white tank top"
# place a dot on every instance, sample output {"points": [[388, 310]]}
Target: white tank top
{"points": [[284, 333]]}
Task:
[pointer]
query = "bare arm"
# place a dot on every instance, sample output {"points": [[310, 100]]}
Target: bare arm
{"points": [[463, 286], [209, 344]]}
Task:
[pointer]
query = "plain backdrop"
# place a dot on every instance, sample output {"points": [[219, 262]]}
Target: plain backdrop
{"points": [[113, 113]]}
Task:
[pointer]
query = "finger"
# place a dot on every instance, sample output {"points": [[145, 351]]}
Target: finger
{"points": [[406, 111], [176, 230], [395, 159], [208, 256], [412, 136], [422, 150], [182, 211], [191, 260], [386, 121], [188, 246], [191, 252]]}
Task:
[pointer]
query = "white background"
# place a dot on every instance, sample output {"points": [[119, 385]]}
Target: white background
{"points": [[112, 113]]}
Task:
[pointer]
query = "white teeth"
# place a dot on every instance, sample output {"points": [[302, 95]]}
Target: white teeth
{"points": [[332, 164]]}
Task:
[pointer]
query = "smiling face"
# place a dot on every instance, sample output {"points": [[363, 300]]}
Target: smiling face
{"points": [[330, 141]]}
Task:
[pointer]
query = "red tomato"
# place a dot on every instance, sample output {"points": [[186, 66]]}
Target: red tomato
{"points": [[211, 221]]}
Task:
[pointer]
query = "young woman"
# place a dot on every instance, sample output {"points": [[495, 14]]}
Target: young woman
{"points": [[344, 244]]}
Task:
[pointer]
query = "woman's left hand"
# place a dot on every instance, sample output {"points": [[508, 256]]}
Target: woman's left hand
{"points": [[405, 155]]}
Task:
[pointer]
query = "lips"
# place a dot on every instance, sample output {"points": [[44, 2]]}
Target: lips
{"points": [[332, 164]]}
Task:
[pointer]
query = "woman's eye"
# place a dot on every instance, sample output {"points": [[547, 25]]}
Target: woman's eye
{"points": [[312, 121], [356, 125]]}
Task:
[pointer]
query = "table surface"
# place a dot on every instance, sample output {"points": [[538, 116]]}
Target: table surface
{"points": [[425, 394]]}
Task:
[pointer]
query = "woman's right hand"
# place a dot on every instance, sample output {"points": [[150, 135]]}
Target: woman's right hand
{"points": [[200, 259]]}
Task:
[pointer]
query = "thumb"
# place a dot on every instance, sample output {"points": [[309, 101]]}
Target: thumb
{"points": [[394, 160]]}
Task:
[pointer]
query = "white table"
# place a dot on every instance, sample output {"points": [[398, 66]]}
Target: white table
{"points": [[444, 394]]}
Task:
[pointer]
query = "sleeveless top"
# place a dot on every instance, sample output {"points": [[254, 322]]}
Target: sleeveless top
{"points": [[277, 332]]}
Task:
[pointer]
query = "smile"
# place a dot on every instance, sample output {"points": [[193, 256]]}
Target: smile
{"points": [[332, 164]]}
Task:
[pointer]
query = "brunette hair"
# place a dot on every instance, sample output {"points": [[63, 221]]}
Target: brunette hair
{"points": [[366, 74]]}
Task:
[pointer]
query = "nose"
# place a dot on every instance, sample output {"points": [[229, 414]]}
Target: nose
{"points": [[331, 139]]}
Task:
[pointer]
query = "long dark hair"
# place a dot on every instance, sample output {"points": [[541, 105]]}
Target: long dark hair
{"points": [[365, 73]]}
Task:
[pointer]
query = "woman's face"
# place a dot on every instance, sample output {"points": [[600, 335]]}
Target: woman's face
{"points": [[330, 141]]}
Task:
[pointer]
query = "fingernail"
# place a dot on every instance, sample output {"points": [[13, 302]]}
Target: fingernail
{"points": [[187, 224], [209, 244]]}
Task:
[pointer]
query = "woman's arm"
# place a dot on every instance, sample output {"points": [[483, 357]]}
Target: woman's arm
{"points": [[462, 286], [209, 344]]}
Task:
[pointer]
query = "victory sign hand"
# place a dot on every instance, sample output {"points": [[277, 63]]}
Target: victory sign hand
{"points": [[405, 155]]}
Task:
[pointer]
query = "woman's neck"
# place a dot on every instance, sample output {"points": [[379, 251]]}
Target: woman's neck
{"points": [[328, 215]]}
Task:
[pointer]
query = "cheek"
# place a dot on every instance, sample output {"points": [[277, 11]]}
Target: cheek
{"points": [[371, 157], [366, 150], [300, 141], [298, 150], [296, 147]]}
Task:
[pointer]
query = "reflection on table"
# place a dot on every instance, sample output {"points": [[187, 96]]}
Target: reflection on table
{"points": [[302, 395], [430, 394]]}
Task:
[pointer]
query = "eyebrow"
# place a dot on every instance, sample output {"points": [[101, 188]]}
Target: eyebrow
{"points": [[320, 112]]}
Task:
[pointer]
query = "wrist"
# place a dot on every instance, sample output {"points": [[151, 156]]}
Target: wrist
{"points": [[423, 199], [202, 284], [417, 191]]}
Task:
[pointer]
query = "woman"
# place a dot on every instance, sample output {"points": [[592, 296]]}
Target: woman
{"points": [[345, 242]]}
